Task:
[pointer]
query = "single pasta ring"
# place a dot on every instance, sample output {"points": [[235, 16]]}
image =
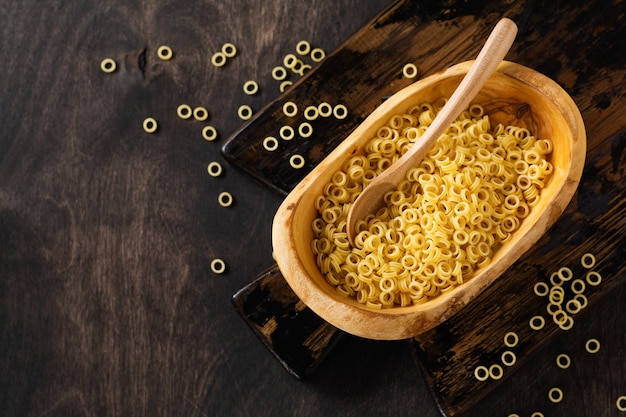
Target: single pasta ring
{"points": [[108, 65], [165, 53]]}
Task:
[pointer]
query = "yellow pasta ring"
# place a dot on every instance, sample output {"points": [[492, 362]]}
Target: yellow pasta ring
{"points": [[286, 132], [481, 373], [508, 358], [270, 143], [229, 50], [214, 169], [250, 87], [592, 345], [165, 53], [303, 47], [150, 125], [588, 261], [225, 199], [318, 54], [496, 371], [290, 109], [305, 129], [218, 266], [209, 133], [555, 395], [563, 361], [279, 73], [200, 114], [311, 112], [290, 60], [324, 109], [244, 112], [218, 59], [297, 161], [409, 70], [108, 65], [340, 111], [184, 111], [511, 339], [620, 403], [537, 322]]}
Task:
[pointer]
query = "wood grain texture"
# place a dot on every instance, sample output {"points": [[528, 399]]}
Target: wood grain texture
{"points": [[108, 305]]}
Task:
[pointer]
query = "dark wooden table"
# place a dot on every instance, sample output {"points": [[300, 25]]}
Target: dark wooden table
{"points": [[108, 305]]}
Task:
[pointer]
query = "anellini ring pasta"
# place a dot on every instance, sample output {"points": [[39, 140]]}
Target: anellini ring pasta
{"points": [[150, 125], [108, 65], [218, 266], [165, 53], [442, 223]]}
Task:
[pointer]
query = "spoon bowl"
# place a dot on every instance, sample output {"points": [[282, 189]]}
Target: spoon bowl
{"points": [[515, 95]]}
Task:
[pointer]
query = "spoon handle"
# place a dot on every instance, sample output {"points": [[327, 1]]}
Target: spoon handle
{"points": [[490, 56]]}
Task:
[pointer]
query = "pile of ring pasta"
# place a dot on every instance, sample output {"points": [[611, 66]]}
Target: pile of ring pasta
{"points": [[445, 219]]}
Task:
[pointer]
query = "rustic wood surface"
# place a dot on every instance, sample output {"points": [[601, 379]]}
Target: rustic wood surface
{"points": [[108, 305]]}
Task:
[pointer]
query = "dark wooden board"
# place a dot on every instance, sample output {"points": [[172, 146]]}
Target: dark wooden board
{"points": [[434, 37], [298, 337]]}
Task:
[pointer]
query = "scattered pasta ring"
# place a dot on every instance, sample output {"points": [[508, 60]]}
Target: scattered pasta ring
{"points": [[567, 324], [481, 373], [218, 59], [340, 111], [508, 358], [496, 371], [218, 266], [290, 109], [209, 133], [165, 53], [250, 87], [573, 306], [513, 415], [541, 289], [200, 114], [511, 339], [244, 112], [303, 47], [592, 345], [621, 403], [286, 132], [229, 50], [593, 278], [184, 111], [578, 286], [556, 280], [108, 65], [318, 54], [583, 303], [279, 73], [305, 129], [409, 71], [225, 199], [311, 113], [563, 361], [284, 85], [565, 273], [290, 61], [296, 161], [537, 414], [537, 322], [324, 109], [560, 317], [270, 143], [150, 125], [588, 260], [214, 169], [555, 395]]}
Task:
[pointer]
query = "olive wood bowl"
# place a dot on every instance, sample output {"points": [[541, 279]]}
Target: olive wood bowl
{"points": [[515, 95]]}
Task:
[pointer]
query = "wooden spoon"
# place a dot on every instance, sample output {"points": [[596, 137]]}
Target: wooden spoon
{"points": [[492, 53]]}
